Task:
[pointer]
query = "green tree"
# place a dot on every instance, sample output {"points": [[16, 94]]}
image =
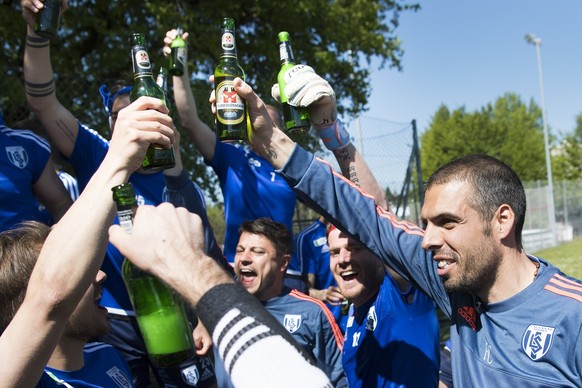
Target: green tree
{"points": [[508, 130], [567, 159], [93, 46]]}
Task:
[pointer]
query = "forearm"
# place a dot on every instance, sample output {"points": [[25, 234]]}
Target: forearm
{"points": [[78, 241], [197, 131], [273, 145], [59, 123], [355, 168], [38, 71]]}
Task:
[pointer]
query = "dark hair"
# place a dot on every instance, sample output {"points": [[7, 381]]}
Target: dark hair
{"points": [[492, 182], [19, 250], [275, 232]]}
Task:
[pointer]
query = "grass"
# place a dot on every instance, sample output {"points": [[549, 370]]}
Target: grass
{"points": [[567, 257]]}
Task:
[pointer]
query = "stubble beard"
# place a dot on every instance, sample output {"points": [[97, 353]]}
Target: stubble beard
{"points": [[477, 271]]}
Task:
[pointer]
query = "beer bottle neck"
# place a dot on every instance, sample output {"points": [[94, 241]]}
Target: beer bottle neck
{"points": [[228, 44], [141, 62], [286, 53]]}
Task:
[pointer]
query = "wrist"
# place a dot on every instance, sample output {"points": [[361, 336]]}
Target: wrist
{"points": [[335, 136], [35, 41]]}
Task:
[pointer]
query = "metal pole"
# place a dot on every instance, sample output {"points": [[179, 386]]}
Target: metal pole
{"points": [[537, 42]]}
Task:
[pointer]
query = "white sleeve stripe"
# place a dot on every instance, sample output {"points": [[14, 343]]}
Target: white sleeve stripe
{"points": [[27, 134]]}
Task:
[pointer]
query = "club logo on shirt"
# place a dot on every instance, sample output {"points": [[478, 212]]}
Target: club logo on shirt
{"points": [[371, 319], [292, 322], [17, 156], [537, 340], [118, 377], [191, 375]]}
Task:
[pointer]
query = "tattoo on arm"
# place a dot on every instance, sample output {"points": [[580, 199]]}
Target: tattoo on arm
{"points": [[40, 89], [271, 153], [66, 130], [353, 176], [342, 155]]}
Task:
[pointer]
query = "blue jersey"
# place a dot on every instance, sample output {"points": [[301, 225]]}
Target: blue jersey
{"points": [[23, 158], [310, 246], [88, 153], [532, 339], [311, 324], [391, 343], [104, 367], [251, 189]]}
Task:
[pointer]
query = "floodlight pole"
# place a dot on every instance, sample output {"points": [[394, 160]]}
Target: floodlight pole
{"points": [[537, 42]]}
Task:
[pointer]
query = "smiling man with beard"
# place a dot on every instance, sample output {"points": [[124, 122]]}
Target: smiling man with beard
{"points": [[262, 256]]}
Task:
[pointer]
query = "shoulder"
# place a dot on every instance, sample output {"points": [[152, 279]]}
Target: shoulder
{"points": [[24, 137]]}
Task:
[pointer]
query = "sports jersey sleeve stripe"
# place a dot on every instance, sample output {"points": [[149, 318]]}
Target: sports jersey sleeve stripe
{"points": [[572, 284], [558, 291], [29, 135], [337, 333]]}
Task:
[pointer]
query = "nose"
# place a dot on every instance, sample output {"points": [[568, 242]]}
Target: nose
{"points": [[344, 256], [432, 239], [101, 277], [243, 256]]}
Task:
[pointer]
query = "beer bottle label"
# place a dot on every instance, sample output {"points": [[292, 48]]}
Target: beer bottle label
{"points": [[230, 107], [142, 60], [227, 42]]}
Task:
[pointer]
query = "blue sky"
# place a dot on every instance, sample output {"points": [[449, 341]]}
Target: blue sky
{"points": [[469, 53]]}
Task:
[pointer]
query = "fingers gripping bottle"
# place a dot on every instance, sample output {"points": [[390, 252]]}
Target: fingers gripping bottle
{"points": [[296, 118], [159, 311], [178, 55], [232, 120], [156, 157]]}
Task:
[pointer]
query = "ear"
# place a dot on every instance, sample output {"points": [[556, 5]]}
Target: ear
{"points": [[505, 221], [285, 262]]}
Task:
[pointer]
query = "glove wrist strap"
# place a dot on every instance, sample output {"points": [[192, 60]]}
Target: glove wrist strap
{"points": [[335, 136]]}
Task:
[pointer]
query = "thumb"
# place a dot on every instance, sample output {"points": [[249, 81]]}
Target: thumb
{"points": [[276, 92], [120, 238]]}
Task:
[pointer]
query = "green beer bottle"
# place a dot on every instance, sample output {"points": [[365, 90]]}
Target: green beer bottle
{"points": [[178, 55], [232, 121], [162, 81], [295, 118], [156, 157], [47, 20], [159, 311]]}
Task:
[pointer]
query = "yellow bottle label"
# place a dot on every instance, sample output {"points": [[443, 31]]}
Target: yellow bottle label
{"points": [[229, 106]]}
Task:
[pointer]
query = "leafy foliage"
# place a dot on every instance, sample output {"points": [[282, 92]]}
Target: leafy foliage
{"points": [[567, 160], [508, 130], [337, 38]]}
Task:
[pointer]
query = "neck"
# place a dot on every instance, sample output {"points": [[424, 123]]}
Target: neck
{"points": [[68, 355], [516, 272]]}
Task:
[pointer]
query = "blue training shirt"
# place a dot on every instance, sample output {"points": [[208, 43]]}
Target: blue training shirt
{"points": [[23, 158], [392, 343], [251, 189], [104, 367]]}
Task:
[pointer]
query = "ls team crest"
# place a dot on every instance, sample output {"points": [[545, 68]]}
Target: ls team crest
{"points": [[292, 322], [537, 340]]}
